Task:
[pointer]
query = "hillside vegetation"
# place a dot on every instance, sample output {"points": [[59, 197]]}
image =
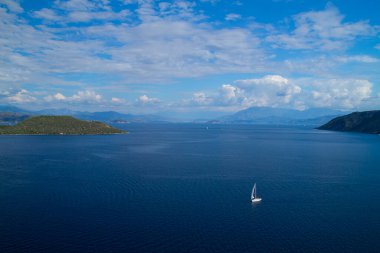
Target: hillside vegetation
{"points": [[59, 125], [364, 122]]}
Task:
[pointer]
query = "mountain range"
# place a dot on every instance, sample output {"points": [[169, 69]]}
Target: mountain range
{"points": [[10, 115], [253, 115], [280, 116]]}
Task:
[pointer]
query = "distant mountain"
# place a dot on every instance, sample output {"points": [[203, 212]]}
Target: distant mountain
{"points": [[11, 115], [364, 122], [9, 108], [253, 115], [107, 116], [116, 117], [59, 125], [11, 118], [280, 116], [60, 111]]}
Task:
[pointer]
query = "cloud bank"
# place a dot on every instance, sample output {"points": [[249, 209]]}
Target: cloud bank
{"points": [[81, 52]]}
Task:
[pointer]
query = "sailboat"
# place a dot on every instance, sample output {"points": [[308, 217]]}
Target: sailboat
{"points": [[254, 198]]}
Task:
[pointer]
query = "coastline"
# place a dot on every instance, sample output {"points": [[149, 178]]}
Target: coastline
{"points": [[60, 134]]}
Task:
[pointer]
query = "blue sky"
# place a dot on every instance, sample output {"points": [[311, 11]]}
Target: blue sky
{"points": [[205, 57]]}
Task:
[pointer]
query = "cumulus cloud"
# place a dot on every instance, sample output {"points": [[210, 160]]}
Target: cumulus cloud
{"points": [[230, 95], [228, 91], [145, 100], [117, 100], [86, 96], [269, 90], [278, 91], [22, 96], [339, 93], [55, 97]]}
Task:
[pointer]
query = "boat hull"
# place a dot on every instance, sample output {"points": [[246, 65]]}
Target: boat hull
{"points": [[255, 200]]}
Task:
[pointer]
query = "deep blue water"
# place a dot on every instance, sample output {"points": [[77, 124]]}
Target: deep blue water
{"points": [[182, 188]]}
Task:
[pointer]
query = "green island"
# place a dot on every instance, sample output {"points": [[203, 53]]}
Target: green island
{"points": [[363, 122], [59, 125]]}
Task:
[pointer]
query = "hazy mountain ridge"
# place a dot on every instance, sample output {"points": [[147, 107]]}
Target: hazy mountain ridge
{"points": [[364, 122], [253, 115], [11, 118], [106, 116], [280, 116], [10, 115]]}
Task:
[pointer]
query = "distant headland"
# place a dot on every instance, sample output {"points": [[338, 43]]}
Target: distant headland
{"points": [[363, 122], [59, 125]]}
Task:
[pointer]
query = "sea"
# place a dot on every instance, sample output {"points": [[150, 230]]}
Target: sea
{"points": [[186, 188]]}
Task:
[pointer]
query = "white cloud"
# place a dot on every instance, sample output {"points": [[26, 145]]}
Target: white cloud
{"points": [[232, 17], [144, 100], [322, 30], [81, 97], [77, 5], [339, 93], [183, 9], [271, 90], [12, 5], [129, 1], [115, 100], [162, 41], [22, 96], [83, 16], [86, 96], [228, 91], [278, 91], [80, 11], [59, 96], [47, 14], [210, 1], [173, 46], [200, 98], [56, 97], [358, 58], [165, 48]]}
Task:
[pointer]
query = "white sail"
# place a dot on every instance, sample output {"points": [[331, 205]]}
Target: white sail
{"points": [[253, 195]]}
